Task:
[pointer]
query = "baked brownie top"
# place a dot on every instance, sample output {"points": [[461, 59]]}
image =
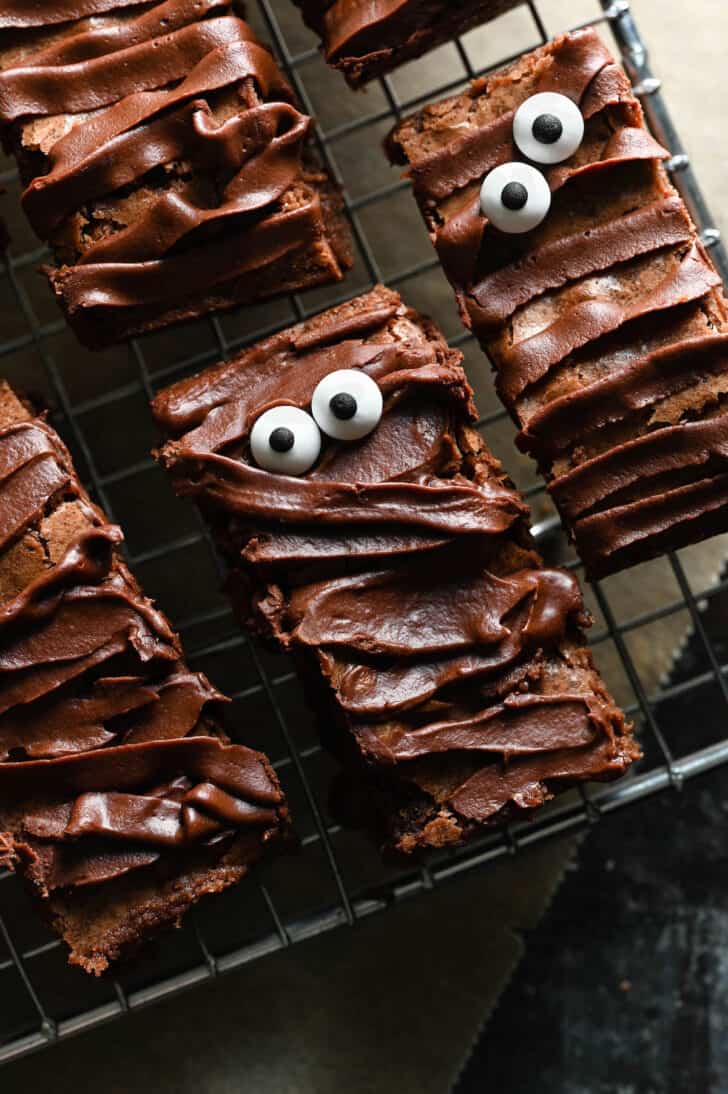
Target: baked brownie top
{"points": [[604, 318], [160, 144], [399, 563], [94, 692]]}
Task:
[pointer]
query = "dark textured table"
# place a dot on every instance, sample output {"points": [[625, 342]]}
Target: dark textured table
{"points": [[624, 989]]}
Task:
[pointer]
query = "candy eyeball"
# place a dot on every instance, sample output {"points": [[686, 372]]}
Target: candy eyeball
{"points": [[548, 128], [285, 440], [515, 197], [347, 404]]}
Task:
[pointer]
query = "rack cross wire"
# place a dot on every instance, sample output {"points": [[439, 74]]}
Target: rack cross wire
{"points": [[98, 404]]}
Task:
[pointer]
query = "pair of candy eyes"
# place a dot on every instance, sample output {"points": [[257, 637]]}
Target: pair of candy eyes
{"points": [[346, 405], [548, 128]]}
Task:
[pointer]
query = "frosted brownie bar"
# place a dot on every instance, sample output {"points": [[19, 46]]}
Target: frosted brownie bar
{"points": [[371, 39], [369, 530], [117, 823], [577, 265], [165, 160]]}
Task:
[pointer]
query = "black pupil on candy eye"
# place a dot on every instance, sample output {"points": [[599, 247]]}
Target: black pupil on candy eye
{"points": [[547, 128], [514, 196], [282, 439], [343, 406]]}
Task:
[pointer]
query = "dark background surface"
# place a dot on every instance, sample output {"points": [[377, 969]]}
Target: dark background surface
{"points": [[624, 987]]}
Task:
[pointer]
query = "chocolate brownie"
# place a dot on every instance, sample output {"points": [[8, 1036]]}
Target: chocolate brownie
{"points": [[117, 823], [368, 40], [165, 160], [577, 265], [369, 530]]}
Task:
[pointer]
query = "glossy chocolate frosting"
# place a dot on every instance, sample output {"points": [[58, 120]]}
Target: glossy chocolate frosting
{"points": [[399, 567], [366, 38], [605, 321], [95, 698], [178, 116], [90, 818]]}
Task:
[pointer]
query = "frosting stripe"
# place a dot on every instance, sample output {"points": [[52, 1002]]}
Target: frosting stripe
{"points": [[671, 515], [642, 384], [552, 266], [531, 360], [124, 284], [187, 134], [72, 89], [543, 723], [527, 782], [17, 14], [690, 445], [447, 508]]}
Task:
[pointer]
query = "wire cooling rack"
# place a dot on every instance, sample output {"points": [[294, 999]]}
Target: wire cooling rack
{"points": [[99, 404]]}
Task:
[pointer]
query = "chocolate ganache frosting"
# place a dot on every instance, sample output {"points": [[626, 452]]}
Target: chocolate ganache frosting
{"points": [[368, 38], [605, 322], [399, 569], [112, 758], [164, 156]]}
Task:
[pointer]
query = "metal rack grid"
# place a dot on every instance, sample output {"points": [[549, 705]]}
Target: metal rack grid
{"points": [[98, 407]]}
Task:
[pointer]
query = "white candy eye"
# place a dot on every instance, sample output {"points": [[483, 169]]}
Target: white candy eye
{"points": [[515, 197], [347, 404], [548, 128], [285, 440]]}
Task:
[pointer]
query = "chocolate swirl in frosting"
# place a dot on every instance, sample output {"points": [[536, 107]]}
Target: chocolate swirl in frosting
{"points": [[612, 297], [96, 781], [398, 567], [164, 155], [367, 38]]}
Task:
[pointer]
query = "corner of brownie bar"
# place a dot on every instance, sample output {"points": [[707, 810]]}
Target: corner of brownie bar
{"points": [[166, 163], [364, 41]]}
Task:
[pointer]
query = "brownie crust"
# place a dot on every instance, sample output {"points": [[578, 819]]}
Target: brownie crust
{"points": [[364, 41], [446, 662], [165, 162], [122, 802], [606, 324]]}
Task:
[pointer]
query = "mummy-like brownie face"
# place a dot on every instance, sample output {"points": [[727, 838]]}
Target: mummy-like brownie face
{"points": [[346, 405], [548, 128]]}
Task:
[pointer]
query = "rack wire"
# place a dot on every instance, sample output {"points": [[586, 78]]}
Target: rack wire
{"points": [[98, 404]]}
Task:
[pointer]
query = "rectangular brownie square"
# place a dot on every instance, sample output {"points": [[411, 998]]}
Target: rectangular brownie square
{"points": [[447, 662], [122, 802], [364, 41], [165, 161], [594, 297]]}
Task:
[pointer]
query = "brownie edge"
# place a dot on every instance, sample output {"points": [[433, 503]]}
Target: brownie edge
{"points": [[364, 41]]}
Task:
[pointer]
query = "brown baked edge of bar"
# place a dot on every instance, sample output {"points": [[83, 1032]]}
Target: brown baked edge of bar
{"points": [[361, 70]]}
